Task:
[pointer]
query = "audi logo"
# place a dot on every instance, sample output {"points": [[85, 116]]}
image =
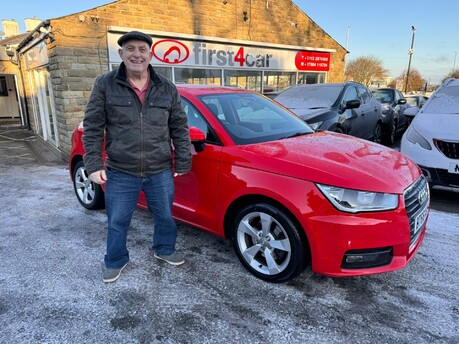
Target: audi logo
{"points": [[422, 196], [170, 51]]}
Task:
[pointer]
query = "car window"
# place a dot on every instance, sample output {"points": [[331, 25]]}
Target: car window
{"points": [[364, 94], [251, 118], [350, 94], [195, 119]]}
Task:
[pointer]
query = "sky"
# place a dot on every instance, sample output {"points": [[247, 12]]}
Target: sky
{"points": [[381, 29]]}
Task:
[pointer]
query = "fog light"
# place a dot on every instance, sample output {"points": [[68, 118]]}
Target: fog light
{"points": [[367, 258], [354, 259]]}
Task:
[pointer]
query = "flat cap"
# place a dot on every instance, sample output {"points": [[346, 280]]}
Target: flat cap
{"points": [[140, 36]]}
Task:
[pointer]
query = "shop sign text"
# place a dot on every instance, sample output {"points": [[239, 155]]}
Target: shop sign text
{"points": [[312, 61]]}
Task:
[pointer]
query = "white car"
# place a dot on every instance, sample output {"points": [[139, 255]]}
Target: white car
{"points": [[432, 139]]}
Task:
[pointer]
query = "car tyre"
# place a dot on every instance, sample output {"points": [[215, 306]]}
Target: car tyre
{"points": [[391, 134], [268, 244], [89, 194], [338, 130], [377, 134]]}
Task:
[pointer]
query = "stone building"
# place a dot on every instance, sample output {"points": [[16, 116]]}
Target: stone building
{"points": [[262, 45]]}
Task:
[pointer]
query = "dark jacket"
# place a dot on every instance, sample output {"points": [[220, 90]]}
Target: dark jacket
{"points": [[138, 136]]}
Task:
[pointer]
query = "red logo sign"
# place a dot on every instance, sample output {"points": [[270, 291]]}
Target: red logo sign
{"points": [[312, 60], [170, 51]]}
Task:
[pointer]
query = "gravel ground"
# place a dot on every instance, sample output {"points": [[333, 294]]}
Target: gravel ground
{"points": [[51, 289]]}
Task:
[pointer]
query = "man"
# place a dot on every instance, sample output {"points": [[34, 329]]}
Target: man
{"points": [[140, 112]]}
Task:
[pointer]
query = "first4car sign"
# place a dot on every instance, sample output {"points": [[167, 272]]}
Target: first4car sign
{"points": [[193, 53]]}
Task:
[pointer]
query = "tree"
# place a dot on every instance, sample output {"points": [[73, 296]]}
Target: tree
{"points": [[454, 74], [415, 81], [365, 69]]}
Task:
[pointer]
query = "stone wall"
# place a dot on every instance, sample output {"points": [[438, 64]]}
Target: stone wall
{"points": [[79, 53]]}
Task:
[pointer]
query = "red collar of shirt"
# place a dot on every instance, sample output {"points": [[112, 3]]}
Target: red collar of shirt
{"points": [[141, 92]]}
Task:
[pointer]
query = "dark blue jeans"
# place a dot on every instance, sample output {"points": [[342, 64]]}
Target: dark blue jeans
{"points": [[121, 194]]}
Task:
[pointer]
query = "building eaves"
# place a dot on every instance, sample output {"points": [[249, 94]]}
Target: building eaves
{"points": [[13, 40]]}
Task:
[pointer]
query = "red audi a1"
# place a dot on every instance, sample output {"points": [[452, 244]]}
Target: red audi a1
{"points": [[285, 195]]}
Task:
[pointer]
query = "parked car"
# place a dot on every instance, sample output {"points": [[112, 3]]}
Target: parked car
{"points": [[432, 140], [394, 105], [416, 100], [285, 195], [347, 108]]}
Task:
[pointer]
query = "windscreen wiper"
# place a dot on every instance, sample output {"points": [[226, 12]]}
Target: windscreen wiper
{"points": [[299, 133]]}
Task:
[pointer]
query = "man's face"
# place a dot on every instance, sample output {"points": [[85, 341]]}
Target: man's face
{"points": [[136, 55]]}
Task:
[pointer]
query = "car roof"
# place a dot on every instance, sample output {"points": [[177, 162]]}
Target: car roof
{"points": [[197, 90], [382, 88], [451, 82], [328, 84]]}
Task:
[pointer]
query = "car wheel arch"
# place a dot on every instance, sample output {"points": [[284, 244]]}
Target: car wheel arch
{"points": [[75, 160], [378, 129], [242, 202]]}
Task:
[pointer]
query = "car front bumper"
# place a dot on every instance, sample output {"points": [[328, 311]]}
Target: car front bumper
{"points": [[345, 244]]}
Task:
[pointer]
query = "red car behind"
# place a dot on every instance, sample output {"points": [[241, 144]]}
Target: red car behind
{"points": [[285, 195]]}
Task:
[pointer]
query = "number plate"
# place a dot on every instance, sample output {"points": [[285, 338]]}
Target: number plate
{"points": [[453, 168], [420, 219]]}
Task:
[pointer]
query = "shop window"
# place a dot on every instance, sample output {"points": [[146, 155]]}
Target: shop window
{"points": [[311, 78], [277, 81], [249, 80], [198, 76], [3, 87], [164, 71]]}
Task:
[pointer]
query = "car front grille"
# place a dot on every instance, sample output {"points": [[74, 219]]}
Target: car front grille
{"points": [[448, 178], [417, 199], [449, 149]]}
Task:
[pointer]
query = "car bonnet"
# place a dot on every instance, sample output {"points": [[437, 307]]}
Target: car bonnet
{"points": [[437, 125], [332, 159]]}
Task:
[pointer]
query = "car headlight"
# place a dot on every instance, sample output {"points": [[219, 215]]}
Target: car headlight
{"points": [[385, 108], [316, 125], [414, 137], [355, 201]]}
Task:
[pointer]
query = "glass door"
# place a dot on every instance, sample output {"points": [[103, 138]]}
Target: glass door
{"points": [[43, 106]]}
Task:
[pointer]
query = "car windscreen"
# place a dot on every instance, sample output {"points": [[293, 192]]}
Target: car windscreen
{"points": [[445, 100], [412, 101], [250, 118], [309, 97], [384, 96]]}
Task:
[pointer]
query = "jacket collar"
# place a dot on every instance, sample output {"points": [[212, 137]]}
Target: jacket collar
{"points": [[121, 74]]}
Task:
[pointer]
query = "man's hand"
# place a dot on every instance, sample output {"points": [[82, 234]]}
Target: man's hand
{"points": [[98, 177], [178, 174]]}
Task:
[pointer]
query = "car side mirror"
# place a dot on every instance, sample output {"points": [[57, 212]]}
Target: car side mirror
{"points": [[352, 104], [198, 139], [401, 101], [411, 112]]}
